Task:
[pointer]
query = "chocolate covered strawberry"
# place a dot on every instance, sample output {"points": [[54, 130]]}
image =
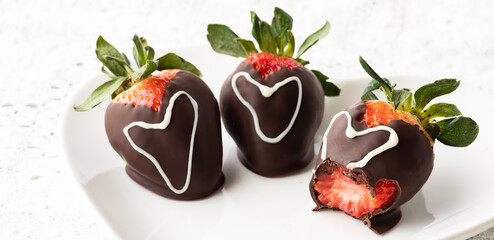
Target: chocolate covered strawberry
{"points": [[377, 155], [271, 104], [163, 120]]}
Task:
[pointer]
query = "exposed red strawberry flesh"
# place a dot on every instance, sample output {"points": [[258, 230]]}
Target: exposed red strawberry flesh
{"points": [[265, 63], [338, 191], [149, 91], [380, 112]]}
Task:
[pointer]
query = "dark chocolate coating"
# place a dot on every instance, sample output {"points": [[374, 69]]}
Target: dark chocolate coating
{"points": [[409, 163], [171, 145], [295, 150], [384, 222]]}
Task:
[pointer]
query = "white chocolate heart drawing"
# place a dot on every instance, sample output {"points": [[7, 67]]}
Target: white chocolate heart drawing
{"points": [[161, 126], [267, 92], [350, 132]]}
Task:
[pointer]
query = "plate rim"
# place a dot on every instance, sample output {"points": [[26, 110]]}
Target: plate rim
{"points": [[477, 228]]}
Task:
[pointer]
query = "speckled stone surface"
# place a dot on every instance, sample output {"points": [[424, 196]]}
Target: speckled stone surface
{"points": [[47, 50]]}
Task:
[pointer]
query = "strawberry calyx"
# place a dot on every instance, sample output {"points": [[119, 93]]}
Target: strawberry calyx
{"points": [[441, 121], [123, 77], [275, 39]]}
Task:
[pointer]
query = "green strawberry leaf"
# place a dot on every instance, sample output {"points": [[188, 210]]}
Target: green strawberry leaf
{"points": [[368, 91], [281, 23], [330, 89], [100, 94], [385, 84], [144, 71], [109, 74], [138, 51], [149, 53], [173, 61], [402, 99], [444, 122], [433, 130], [313, 39], [267, 39], [222, 40], [104, 49], [439, 110], [426, 93], [256, 29], [301, 61], [290, 47], [247, 45], [281, 42], [369, 96], [122, 61], [390, 84], [458, 132], [127, 62]]}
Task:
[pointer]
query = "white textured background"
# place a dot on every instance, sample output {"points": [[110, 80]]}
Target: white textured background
{"points": [[47, 49]]}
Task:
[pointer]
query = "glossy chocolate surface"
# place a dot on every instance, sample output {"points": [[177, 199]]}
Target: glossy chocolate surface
{"points": [[170, 146], [409, 163], [295, 150]]}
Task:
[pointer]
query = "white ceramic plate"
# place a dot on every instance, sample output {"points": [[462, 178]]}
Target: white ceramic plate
{"points": [[455, 203]]}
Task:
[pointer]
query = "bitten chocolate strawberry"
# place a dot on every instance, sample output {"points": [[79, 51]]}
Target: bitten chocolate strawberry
{"points": [[271, 104], [377, 155], [164, 124]]}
